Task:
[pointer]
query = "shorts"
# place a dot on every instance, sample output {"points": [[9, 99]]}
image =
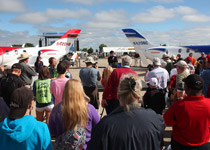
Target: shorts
{"points": [[46, 108]]}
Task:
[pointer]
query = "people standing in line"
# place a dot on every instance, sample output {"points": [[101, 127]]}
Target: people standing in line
{"points": [[44, 99], [52, 68], [193, 59], [158, 72], [57, 85], [89, 77], [191, 67], [11, 82], [110, 100], [68, 65], [190, 117], [130, 126], [20, 130], [154, 98], [112, 60], [167, 62], [27, 72], [178, 57], [202, 57], [205, 75], [105, 76], [137, 59], [173, 59], [182, 73], [38, 64], [73, 115]]}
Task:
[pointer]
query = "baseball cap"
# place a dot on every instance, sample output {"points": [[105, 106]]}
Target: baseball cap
{"points": [[194, 82], [20, 99], [181, 63], [153, 82], [16, 66], [156, 61]]}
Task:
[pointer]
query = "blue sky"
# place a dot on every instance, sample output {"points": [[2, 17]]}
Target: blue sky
{"points": [[171, 22]]}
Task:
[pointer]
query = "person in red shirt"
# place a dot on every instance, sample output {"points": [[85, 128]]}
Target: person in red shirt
{"points": [[190, 117], [110, 100]]}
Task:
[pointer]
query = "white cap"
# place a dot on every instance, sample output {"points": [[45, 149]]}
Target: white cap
{"points": [[156, 61], [153, 82], [181, 63]]}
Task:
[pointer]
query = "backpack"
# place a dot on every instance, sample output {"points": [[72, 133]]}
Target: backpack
{"points": [[71, 140]]}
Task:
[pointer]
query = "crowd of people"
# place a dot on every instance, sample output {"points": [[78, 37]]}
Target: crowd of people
{"points": [[66, 108]]}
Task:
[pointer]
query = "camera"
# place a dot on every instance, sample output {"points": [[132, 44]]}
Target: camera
{"points": [[150, 67], [94, 65]]}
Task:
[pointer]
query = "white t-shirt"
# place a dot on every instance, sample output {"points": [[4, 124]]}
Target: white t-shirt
{"points": [[161, 74], [173, 72]]}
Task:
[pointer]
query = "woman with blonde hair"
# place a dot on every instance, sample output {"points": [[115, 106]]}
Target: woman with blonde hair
{"points": [[129, 126], [71, 117], [105, 76]]}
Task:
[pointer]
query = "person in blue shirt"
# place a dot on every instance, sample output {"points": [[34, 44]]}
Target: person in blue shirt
{"points": [[20, 130]]}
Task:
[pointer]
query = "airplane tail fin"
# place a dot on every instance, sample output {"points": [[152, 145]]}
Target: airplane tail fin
{"points": [[137, 40], [67, 40]]}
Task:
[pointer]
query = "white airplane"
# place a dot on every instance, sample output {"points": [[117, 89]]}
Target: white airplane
{"points": [[146, 48], [58, 50]]}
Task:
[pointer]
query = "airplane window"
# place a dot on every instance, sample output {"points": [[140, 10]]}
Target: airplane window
{"points": [[180, 50], [196, 50], [188, 50], [166, 51], [16, 52], [24, 51], [7, 52]]}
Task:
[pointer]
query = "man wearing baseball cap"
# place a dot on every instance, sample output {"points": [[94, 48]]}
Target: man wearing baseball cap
{"points": [[20, 130], [190, 117], [11, 82]]}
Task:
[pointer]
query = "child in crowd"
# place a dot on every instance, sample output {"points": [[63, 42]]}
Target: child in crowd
{"points": [[154, 98], [44, 99], [57, 85], [20, 130]]}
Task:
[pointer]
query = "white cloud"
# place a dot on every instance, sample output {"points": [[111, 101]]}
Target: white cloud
{"points": [[12, 6], [161, 14], [31, 18], [155, 14], [168, 1], [108, 19], [184, 10], [16, 38], [51, 15], [187, 36], [196, 18], [90, 2]]}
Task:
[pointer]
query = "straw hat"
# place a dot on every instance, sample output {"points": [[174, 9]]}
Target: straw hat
{"points": [[24, 56]]}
